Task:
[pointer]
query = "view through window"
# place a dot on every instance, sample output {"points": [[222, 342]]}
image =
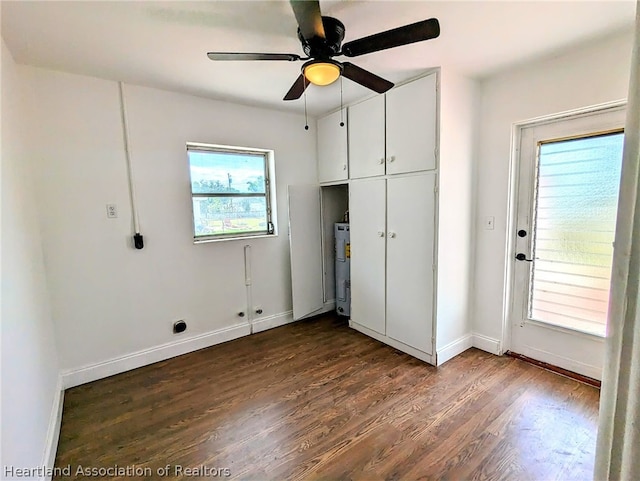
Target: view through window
{"points": [[230, 191]]}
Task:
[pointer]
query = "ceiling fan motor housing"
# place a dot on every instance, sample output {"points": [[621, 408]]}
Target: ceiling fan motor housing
{"points": [[324, 48]]}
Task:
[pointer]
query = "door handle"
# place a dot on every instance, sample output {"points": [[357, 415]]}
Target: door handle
{"points": [[523, 257], [380, 233], [392, 235]]}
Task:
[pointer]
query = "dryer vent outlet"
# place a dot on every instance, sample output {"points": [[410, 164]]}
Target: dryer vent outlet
{"points": [[179, 326]]}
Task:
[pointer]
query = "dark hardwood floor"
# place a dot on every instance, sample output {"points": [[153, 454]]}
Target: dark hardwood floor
{"points": [[317, 400]]}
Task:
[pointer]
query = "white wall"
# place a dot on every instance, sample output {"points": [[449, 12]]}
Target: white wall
{"points": [[110, 300], [589, 75], [459, 97], [30, 368]]}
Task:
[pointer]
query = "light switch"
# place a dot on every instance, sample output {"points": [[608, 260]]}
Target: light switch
{"points": [[489, 222]]}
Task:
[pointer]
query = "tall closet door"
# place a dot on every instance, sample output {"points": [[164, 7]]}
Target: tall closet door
{"points": [[410, 246], [305, 250], [367, 227]]}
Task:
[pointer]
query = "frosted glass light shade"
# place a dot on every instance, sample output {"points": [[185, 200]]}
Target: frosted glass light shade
{"points": [[322, 73]]}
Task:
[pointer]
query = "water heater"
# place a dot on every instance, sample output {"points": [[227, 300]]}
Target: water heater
{"points": [[343, 269]]}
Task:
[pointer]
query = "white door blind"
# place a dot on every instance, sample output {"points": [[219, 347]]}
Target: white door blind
{"points": [[575, 215]]}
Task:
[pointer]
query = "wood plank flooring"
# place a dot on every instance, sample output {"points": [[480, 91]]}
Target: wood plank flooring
{"points": [[317, 400]]}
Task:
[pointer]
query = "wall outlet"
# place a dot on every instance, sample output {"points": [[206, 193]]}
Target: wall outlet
{"points": [[112, 211], [489, 222]]}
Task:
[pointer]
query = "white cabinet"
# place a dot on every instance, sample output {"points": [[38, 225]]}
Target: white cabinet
{"points": [[313, 211], [367, 212], [366, 138], [332, 149], [392, 252], [411, 126], [399, 137], [410, 248], [305, 249]]}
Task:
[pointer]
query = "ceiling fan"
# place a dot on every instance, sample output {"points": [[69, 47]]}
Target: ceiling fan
{"points": [[321, 39]]}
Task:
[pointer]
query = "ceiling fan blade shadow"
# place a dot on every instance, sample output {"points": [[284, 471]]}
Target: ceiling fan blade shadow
{"points": [[252, 56], [415, 32], [309, 18], [297, 89], [365, 78]]}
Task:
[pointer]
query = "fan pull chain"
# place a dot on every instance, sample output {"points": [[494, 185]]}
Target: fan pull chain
{"points": [[306, 123], [341, 105]]}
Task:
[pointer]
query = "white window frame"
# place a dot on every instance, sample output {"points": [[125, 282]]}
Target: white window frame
{"points": [[269, 195]]}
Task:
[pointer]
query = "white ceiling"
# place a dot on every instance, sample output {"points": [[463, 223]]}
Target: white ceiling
{"points": [[164, 44]]}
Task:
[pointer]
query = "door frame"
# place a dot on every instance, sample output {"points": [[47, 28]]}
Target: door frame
{"points": [[512, 207]]}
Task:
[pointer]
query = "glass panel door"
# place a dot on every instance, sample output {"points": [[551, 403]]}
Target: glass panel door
{"points": [[566, 195]]}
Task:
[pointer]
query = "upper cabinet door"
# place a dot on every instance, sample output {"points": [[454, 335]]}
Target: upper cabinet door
{"points": [[411, 126], [366, 138], [332, 149]]}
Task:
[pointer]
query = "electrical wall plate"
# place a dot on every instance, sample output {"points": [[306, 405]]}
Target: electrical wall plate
{"points": [[489, 222], [112, 211]]}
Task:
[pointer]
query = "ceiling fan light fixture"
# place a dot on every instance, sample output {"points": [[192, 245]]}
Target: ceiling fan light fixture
{"points": [[321, 72], [321, 39]]}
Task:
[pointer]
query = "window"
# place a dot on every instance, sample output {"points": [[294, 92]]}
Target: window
{"points": [[232, 192], [575, 220]]}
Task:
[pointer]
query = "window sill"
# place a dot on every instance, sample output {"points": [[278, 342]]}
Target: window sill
{"points": [[235, 238]]}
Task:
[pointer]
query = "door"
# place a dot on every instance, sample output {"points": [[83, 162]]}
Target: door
{"points": [[411, 126], [332, 148], [305, 248], [366, 138], [568, 182], [368, 252], [410, 246]]}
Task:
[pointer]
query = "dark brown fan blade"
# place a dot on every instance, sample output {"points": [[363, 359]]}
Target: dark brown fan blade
{"points": [[252, 56], [309, 18], [297, 89], [365, 78], [416, 32]]}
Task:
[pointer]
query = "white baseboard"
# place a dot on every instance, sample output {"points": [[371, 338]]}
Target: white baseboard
{"points": [[270, 322], [53, 431], [454, 348], [93, 372], [487, 344], [400, 346]]}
